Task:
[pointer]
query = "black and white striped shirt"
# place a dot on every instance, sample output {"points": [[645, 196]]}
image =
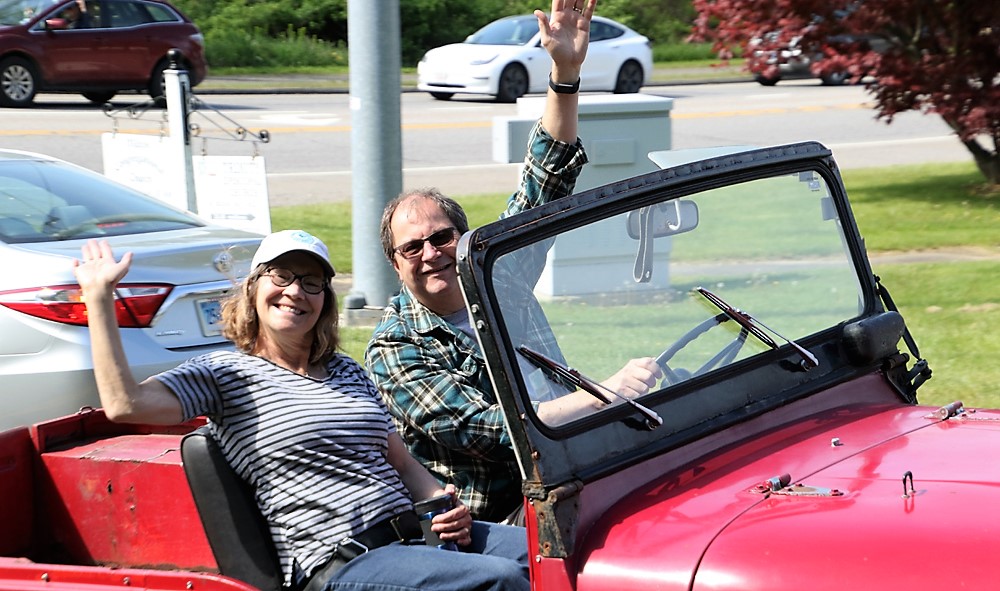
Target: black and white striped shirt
{"points": [[314, 450]]}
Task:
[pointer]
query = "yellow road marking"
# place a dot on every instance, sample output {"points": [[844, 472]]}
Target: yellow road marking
{"points": [[457, 125]]}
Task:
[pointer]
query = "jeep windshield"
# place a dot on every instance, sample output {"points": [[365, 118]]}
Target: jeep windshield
{"points": [[617, 273]]}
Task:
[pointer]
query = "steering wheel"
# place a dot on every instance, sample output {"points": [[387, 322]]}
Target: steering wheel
{"points": [[724, 356]]}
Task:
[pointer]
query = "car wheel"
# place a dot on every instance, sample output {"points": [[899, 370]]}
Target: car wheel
{"points": [[442, 96], [99, 97], [766, 80], [18, 82], [513, 84], [835, 78], [630, 78], [157, 88]]}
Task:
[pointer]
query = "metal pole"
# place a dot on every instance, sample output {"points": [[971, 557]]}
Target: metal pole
{"points": [[177, 87], [376, 144]]}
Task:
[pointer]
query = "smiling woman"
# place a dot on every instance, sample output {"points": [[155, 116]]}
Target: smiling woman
{"points": [[303, 426]]}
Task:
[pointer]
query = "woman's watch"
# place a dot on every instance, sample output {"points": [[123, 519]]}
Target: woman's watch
{"points": [[564, 88]]}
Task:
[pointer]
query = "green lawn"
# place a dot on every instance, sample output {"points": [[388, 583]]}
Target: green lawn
{"points": [[952, 308], [953, 311]]}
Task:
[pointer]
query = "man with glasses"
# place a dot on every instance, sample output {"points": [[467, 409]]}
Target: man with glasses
{"points": [[423, 355]]}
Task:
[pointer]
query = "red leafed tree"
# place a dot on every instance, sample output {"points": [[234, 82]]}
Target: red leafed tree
{"points": [[932, 56]]}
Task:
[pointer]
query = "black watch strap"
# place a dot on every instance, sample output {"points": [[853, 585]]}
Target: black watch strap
{"points": [[564, 88]]}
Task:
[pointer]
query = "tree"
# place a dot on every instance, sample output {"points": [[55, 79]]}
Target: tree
{"points": [[237, 30], [932, 56], [663, 21]]}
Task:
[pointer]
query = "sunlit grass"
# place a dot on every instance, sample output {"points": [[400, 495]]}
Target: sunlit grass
{"points": [[953, 311], [924, 206]]}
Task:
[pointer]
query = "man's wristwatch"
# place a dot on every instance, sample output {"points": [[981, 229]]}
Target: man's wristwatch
{"points": [[564, 88]]}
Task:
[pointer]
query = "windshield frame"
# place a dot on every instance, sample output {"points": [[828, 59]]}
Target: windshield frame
{"points": [[556, 453]]}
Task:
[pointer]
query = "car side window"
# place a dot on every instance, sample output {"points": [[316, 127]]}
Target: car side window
{"points": [[127, 13], [603, 31], [81, 15], [161, 14], [123, 14], [94, 10]]}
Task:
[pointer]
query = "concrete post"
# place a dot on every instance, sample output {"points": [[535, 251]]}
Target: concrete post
{"points": [[376, 143]]}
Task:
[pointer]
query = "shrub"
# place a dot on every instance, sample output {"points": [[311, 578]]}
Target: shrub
{"points": [[239, 48]]}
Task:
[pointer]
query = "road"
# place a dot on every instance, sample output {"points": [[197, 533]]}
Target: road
{"points": [[448, 144]]}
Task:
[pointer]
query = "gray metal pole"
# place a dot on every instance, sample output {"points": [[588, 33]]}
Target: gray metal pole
{"points": [[177, 87], [376, 145]]}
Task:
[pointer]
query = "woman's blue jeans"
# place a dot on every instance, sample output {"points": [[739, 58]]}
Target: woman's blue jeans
{"points": [[496, 560]]}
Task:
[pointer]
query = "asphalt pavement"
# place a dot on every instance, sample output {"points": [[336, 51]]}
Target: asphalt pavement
{"points": [[295, 191]]}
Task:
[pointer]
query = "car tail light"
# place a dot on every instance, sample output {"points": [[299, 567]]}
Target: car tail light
{"points": [[135, 304]]}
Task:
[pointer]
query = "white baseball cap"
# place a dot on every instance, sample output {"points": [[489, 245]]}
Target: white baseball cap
{"points": [[276, 244]]}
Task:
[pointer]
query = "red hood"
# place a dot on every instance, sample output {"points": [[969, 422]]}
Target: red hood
{"points": [[710, 522]]}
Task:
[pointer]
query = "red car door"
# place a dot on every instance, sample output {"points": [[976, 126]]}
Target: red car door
{"points": [[109, 49]]}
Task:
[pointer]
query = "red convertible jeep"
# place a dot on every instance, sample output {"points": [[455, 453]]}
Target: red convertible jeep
{"points": [[783, 449]]}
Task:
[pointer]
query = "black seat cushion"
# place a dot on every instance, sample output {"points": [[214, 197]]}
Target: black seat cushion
{"points": [[235, 528]]}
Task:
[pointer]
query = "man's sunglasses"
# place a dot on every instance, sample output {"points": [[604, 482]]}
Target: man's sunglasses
{"points": [[439, 239]]}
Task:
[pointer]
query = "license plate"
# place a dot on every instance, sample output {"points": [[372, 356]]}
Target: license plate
{"points": [[210, 316]]}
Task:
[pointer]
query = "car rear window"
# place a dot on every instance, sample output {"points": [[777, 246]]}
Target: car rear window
{"points": [[43, 201]]}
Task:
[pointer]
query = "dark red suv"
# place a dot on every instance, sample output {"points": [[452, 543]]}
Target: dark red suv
{"points": [[95, 47]]}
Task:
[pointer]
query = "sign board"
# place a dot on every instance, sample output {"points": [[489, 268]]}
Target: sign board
{"points": [[232, 191], [146, 163]]}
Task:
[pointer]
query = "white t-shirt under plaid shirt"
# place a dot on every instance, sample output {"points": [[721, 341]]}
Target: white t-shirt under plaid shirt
{"points": [[313, 450]]}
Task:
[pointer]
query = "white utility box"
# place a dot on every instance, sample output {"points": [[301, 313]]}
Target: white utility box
{"points": [[618, 132]]}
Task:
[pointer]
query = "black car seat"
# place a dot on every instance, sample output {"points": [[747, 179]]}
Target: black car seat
{"points": [[236, 530]]}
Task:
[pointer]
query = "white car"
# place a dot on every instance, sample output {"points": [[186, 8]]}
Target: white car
{"points": [[505, 59], [168, 304]]}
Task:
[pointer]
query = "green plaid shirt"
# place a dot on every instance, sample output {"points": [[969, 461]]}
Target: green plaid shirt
{"points": [[433, 376]]}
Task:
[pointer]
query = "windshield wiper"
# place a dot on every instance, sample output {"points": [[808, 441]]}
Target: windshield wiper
{"points": [[575, 378], [757, 328]]}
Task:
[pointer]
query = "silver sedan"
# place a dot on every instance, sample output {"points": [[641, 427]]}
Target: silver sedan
{"points": [[168, 304]]}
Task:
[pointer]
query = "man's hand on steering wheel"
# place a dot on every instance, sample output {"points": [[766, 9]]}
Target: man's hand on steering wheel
{"points": [[636, 378]]}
